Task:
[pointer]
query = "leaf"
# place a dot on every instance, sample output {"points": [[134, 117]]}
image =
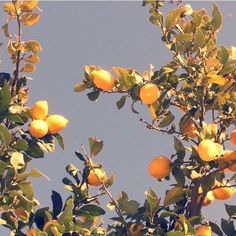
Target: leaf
{"points": [[179, 148], [172, 18], [176, 233], [174, 195], [42, 216], [95, 145], [17, 161], [79, 87], [15, 118], [5, 30], [216, 229], [93, 96], [80, 156], [32, 59], [27, 189], [121, 102], [228, 227], [91, 210], [231, 210], [167, 120], [9, 8], [66, 216], [28, 68], [35, 151], [152, 199], [32, 46], [35, 173], [5, 97], [217, 18], [5, 136], [21, 145], [213, 78], [30, 19], [223, 55], [199, 39], [60, 140], [28, 5], [56, 203]]}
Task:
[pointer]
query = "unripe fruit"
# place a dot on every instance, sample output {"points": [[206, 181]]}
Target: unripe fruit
{"points": [[38, 128], [96, 177], [149, 93], [204, 230], [233, 137], [39, 110], [56, 123], [208, 150], [103, 79], [160, 167]]}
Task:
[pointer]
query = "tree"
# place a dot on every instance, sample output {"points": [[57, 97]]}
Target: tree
{"points": [[199, 82]]}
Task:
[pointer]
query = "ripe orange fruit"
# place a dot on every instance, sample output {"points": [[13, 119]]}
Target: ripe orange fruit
{"points": [[38, 128], [208, 150], [160, 167], [56, 123], [209, 198], [229, 157], [149, 93], [39, 110], [103, 79], [188, 128], [136, 230], [223, 191], [233, 137], [96, 177], [31, 232], [204, 230]]}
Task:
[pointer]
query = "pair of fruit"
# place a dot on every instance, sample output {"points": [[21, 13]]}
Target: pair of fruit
{"points": [[42, 123], [104, 80]]}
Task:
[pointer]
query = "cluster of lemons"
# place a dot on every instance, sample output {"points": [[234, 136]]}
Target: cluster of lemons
{"points": [[43, 123]]}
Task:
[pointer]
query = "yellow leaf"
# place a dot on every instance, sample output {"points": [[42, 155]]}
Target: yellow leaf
{"points": [[33, 59], [30, 19], [152, 112], [33, 46], [9, 8], [232, 53], [28, 5], [10, 48], [213, 78], [29, 68], [17, 160]]}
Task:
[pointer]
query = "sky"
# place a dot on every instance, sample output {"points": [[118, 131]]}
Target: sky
{"points": [[106, 33]]}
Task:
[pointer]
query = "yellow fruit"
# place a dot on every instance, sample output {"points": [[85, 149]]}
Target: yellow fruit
{"points": [[233, 137], [229, 157], [209, 198], [103, 79], [160, 167], [39, 110], [213, 128], [149, 93], [38, 128], [31, 232], [223, 191], [188, 128], [204, 230], [96, 177], [136, 230], [208, 150], [56, 123]]}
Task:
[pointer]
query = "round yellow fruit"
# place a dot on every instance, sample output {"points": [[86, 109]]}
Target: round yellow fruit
{"points": [[39, 110], [38, 128], [136, 230], [223, 191], [229, 157], [149, 93], [103, 79], [56, 123], [233, 137], [160, 167], [204, 230], [208, 150], [96, 177]]}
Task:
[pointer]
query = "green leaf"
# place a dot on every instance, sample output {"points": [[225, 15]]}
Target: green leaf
{"points": [[199, 39], [60, 140], [174, 195], [167, 120], [35, 151], [216, 229], [223, 55], [79, 87], [217, 18], [121, 102], [66, 216], [179, 148], [35, 173], [228, 227], [152, 199], [42, 216], [16, 119], [3, 166], [231, 210], [172, 18], [27, 189], [95, 145], [93, 96], [5, 136], [5, 97], [91, 210], [21, 145], [57, 203], [176, 233]]}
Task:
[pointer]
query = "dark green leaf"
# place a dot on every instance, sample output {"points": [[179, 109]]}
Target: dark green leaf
{"points": [[121, 102], [15, 119], [152, 199], [167, 120], [231, 210], [42, 216], [35, 151], [80, 156], [93, 96], [174, 195], [91, 210], [21, 145], [179, 148], [5, 97], [5, 136], [95, 145], [228, 227], [66, 216], [60, 140], [223, 55], [56, 203], [216, 229], [217, 18]]}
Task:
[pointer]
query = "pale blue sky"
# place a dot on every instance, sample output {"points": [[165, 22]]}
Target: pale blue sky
{"points": [[74, 34]]}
